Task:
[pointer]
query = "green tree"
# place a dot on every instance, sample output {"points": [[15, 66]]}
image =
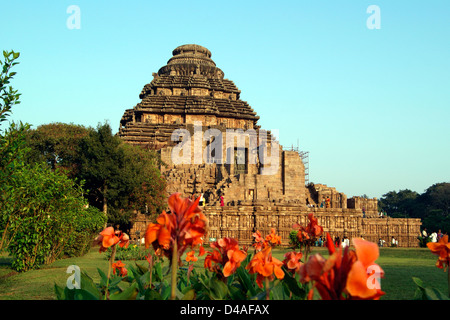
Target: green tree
{"points": [[58, 145], [49, 217], [435, 202], [148, 190], [399, 204], [12, 140], [42, 212], [120, 178], [437, 197], [432, 206]]}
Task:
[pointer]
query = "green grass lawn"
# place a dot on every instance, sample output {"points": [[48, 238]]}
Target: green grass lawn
{"points": [[399, 265]]}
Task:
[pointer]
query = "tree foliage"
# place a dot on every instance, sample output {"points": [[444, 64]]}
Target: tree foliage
{"points": [[43, 214], [119, 179], [432, 206], [58, 145], [47, 218], [12, 138]]}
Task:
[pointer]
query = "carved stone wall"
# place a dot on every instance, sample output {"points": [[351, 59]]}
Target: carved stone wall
{"points": [[240, 222], [190, 89]]}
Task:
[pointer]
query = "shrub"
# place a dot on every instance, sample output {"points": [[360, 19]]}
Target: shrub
{"points": [[132, 252], [47, 217], [293, 241], [86, 225]]}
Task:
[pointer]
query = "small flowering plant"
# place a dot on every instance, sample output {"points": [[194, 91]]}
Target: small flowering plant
{"points": [[173, 270]]}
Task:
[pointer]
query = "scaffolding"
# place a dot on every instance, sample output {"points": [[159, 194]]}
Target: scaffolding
{"points": [[304, 155]]}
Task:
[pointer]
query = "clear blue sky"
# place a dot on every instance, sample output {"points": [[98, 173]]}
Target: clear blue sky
{"points": [[372, 106]]}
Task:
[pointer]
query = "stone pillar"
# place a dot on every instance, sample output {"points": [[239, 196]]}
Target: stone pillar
{"points": [[343, 201]]}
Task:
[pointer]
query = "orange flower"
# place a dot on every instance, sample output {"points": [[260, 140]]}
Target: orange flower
{"points": [[259, 243], [109, 238], [272, 238], [313, 228], [213, 261], [191, 256], [120, 267], [344, 275], [160, 231], [106, 239], [292, 261], [185, 224], [226, 254], [265, 266], [442, 250], [309, 233], [201, 251], [302, 236], [361, 284], [329, 276], [124, 239]]}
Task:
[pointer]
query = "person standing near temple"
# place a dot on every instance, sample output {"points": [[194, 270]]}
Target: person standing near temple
{"points": [[424, 233], [434, 237], [345, 242], [337, 242], [221, 201], [394, 242]]}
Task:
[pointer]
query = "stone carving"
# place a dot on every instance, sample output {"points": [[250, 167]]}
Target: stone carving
{"points": [[191, 89]]}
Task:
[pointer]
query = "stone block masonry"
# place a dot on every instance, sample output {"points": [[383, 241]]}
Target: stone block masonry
{"points": [[240, 222], [262, 185]]}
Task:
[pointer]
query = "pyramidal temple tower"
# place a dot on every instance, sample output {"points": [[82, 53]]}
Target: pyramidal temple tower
{"points": [[191, 95], [211, 145], [189, 88]]}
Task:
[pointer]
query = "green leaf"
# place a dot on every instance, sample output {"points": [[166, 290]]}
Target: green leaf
{"points": [[142, 269], [245, 280], [143, 280], [128, 294], [190, 295], [152, 295], [59, 292], [218, 289], [236, 293], [88, 285], [293, 286], [427, 293], [103, 277], [114, 281], [165, 292], [81, 294], [418, 281], [435, 294], [158, 271], [277, 291]]}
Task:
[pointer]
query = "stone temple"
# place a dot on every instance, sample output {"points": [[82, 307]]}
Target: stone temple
{"points": [[211, 144]]}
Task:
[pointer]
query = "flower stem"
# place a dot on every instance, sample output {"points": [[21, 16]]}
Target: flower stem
{"points": [[448, 280], [174, 271], [111, 262], [150, 269], [266, 282]]}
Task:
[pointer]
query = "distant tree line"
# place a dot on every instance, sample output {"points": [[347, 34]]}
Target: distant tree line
{"points": [[432, 206]]}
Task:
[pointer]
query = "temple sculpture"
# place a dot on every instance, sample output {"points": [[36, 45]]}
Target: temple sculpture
{"points": [[212, 146]]}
